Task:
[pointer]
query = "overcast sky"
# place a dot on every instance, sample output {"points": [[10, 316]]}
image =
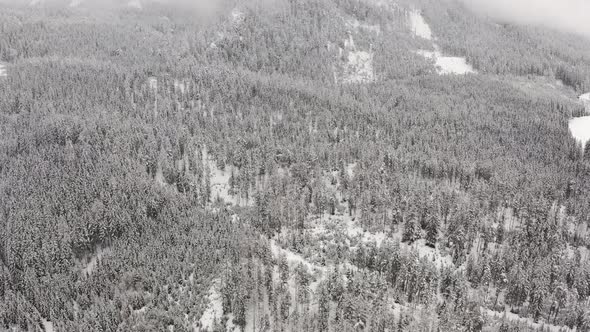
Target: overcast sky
{"points": [[568, 15]]}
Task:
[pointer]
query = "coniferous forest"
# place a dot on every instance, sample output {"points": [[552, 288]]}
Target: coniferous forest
{"points": [[289, 165]]}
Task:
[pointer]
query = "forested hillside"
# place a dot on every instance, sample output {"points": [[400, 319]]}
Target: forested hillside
{"points": [[290, 165]]}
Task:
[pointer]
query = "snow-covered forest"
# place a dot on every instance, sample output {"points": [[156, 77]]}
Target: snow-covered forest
{"points": [[291, 165]]}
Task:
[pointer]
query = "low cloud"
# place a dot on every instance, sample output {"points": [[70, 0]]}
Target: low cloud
{"points": [[566, 15]]}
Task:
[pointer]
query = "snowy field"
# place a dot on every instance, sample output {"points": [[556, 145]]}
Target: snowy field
{"points": [[355, 25], [419, 25], [580, 127], [356, 65], [446, 65]]}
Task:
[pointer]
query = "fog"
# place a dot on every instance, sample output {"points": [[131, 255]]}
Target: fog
{"points": [[566, 15]]}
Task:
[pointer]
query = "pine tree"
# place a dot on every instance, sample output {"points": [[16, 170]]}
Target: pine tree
{"points": [[411, 231], [432, 231]]}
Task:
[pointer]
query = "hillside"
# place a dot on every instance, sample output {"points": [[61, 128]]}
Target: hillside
{"points": [[291, 165]]}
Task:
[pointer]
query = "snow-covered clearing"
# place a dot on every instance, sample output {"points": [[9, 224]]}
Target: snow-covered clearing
{"points": [[214, 311], [522, 322], [356, 25], [580, 129], [356, 65], [419, 25], [47, 325], [95, 259], [580, 126], [446, 65], [219, 182]]}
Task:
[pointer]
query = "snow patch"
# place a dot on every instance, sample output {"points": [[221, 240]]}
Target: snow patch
{"points": [[354, 24], [153, 83], [580, 129], [419, 25], [3, 72], [214, 311], [529, 322], [359, 68], [446, 65], [219, 182], [75, 3], [94, 260], [179, 86], [47, 325], [585, 99], [356, 66]]}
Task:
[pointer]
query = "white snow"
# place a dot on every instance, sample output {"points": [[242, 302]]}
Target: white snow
{"points": [[214, 311], [75, 3], [356, 65], [153, 83], [219, 182], [529, 322], [354, 24], [100, 252], [47, 325], [3, 70], [179, 86], [585, 99], [580, 129], [446, 65], [359, 68], [419, 25]]}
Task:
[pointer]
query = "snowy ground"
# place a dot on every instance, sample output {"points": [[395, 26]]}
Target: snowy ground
{"points": [[419, 25], [220, 182], [446, 65], [47, 325], [355, 25], [214, 311], [528, 322], [3, 70], [359, 68], [356, 66], [94, 260], [580, 129], [585, 99], [75, 3], [153, 83]]}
